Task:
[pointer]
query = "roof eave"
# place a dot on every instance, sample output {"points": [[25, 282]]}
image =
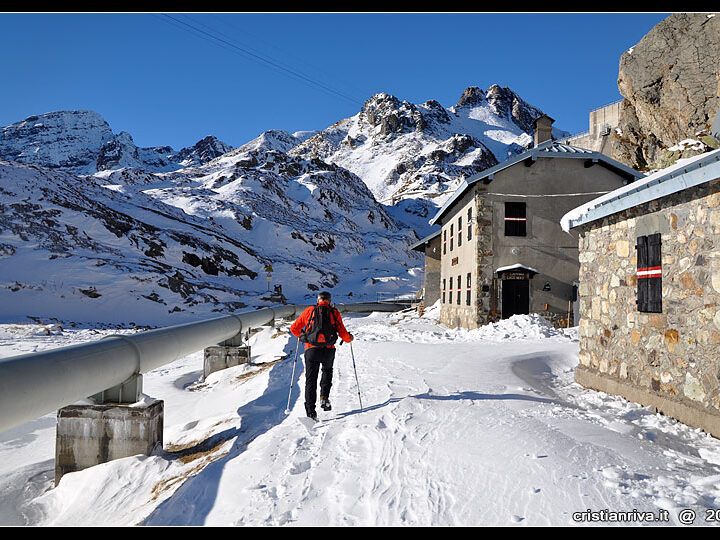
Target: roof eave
{"points": [[421, 243], [532, 154], [662, 186]]}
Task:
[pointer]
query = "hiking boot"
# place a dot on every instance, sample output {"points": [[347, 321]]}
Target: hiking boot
{"points": [[325, 404], [310, 412]]}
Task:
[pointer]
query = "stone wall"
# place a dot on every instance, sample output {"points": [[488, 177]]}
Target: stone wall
{"points": [[485, 252], [476, 258], [668, 360]]}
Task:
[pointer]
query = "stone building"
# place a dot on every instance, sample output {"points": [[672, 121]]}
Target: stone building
{"points": [[649, 291], [502, 249], [430, 247]]}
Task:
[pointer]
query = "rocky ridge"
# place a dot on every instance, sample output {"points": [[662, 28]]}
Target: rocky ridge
{"points": [[82, 142], [405, 151]]}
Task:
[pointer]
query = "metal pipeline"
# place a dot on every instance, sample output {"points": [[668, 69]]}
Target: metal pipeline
{"points": [[35, 384]]}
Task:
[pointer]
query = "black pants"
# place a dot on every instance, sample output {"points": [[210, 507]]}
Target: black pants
{"points": [[315, 357]]}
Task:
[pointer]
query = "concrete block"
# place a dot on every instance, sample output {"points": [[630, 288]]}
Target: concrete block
{"points": [[222, 357], [126, 393], [88, 435]]}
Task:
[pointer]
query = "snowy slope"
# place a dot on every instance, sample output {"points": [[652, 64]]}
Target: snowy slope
{"points": [[460, 428], [131, 246]]}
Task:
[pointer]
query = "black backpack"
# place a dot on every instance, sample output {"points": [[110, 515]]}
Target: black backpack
{"points": [[321, 322]]}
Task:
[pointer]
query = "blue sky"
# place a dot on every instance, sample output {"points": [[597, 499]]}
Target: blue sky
{"points": [[168, 80]]}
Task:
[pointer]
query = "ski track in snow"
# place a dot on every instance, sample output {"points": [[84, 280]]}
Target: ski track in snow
{"points": [[482, 427]]}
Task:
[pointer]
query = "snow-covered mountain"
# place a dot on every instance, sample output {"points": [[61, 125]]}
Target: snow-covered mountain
{"points": [[82, 142], [95, 228], [406, 151], [129, 245]]}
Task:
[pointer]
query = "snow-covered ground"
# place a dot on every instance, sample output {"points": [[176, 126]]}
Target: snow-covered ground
{"points": [[482, 427]]}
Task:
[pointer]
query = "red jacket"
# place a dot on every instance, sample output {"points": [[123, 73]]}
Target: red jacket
{"points": [[297, 327]]}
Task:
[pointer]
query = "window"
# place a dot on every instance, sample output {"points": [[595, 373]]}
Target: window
{"points": [[450, 292], [469, 224], [467, 298], [444, 241], [459, 233], [451, 237], [515, 219], [649, 273], [459, 284], [443, 292]]}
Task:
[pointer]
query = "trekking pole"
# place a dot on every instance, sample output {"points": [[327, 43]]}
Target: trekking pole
{"points": [[297, 348], [356, 377]]}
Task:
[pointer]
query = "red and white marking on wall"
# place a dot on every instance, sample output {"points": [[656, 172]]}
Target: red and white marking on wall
{"points": [[649, 272]]}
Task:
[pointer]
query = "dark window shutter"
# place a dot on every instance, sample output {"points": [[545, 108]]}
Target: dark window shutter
{"points": [[515, 219], [469, 224], [467, 299], [642, 283], [655, 277], [649, 273]]}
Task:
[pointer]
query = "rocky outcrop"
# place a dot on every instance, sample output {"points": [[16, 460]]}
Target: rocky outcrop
{"points": [[118, 152], [392, 116], [471, 97], [670, 82], [203, 151]]}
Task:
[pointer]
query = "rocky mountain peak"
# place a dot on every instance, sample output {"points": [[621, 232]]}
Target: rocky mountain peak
{"points": [[204, 150], [434, 112], [60, 139], [82, 142], [391, 115], [118, 152], [471, 97], [507, 104]]}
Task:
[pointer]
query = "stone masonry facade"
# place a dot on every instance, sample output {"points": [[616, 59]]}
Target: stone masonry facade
{"points": [[669, 360], [479, 253]]}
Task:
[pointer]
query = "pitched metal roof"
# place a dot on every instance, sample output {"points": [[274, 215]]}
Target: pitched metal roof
{"points": [[548, 149], [684, 174], [421, 243]]}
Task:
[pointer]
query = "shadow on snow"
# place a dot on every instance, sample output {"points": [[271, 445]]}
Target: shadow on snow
{"points": [[192, 502]]}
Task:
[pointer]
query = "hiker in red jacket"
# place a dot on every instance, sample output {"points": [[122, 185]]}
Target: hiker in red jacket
{"points": [[319, 327]]}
